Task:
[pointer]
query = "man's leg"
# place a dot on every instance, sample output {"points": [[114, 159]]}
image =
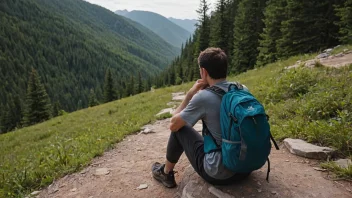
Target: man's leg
{"points": [[185, 140]]}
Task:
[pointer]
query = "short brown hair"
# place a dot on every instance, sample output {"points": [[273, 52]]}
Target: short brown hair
{"points": [[214, 60]]}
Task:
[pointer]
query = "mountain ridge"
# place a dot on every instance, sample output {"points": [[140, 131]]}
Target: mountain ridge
{"points": [[166, 29]]}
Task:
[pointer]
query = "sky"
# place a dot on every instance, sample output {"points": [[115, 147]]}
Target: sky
{"points": [[180, 9]]}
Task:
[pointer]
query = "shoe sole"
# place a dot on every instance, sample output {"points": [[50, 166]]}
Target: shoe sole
{"points": [[164, 183]]}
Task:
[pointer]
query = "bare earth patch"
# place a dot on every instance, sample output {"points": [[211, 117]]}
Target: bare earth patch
{"points": [[337, 61]]}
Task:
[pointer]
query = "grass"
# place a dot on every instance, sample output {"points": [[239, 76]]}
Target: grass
{"points": [[341, 49], [311, 104], [33, 157], [344, 173]]}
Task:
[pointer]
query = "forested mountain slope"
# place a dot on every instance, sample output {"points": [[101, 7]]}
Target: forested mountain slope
{"points": [[71, 43]]}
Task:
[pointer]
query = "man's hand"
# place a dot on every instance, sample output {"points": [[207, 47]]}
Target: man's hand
{"points": [[199, 85]]}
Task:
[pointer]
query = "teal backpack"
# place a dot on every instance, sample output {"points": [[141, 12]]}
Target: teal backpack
{"points": [[245, 130]]}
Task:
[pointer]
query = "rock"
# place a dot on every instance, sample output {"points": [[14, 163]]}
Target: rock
{"points": [[179, 96], [337, 46], [142, 186], [191, 190], [310, 63], [344, 163], [101, 171], [84, 171], [327, 50], [304, 149], [54, 190], [339, 55], [319, 169], [168, 110], [73, 189], [322, 55], [345, 50], [35, 193], [218, 193], [146, 131]]}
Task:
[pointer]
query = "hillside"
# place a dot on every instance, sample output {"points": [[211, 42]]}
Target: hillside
{"points": [[71, 43], [254, 33], [187, 24], [160, 25], [308, 103]]}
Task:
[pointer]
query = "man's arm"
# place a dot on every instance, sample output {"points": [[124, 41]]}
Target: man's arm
{"points": [[176, 121]]}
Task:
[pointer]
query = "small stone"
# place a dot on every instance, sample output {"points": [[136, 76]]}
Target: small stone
{"points": [[139, 149], [259, 190], [146, 131], [54, 190], [35, 193], [322, 55], [73, 189], [344, 163], [327, 50], [84, 171], [287, 161], [339, 55], [259, 184], [319, 169], [273, 192], [218, 193], [295, 185], [90, 197], [101, 171], [168, 110], [142, 186], [304, 149]]}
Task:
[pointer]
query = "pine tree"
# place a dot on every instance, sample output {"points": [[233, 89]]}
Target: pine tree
{"points": [[230, 13], [309, 27], [345, 23], [130, 88], [274, 15], [204, 26], [248, 27], [92, 99], [56, 109], [2, 118], [140, 83], [219, 30], [5, 121], [109, 90], [37, 105]]}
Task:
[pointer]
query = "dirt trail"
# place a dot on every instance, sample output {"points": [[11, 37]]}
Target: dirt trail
{"points": [[129, 165]]}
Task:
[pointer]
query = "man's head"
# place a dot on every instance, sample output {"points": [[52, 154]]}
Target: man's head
{"points": [[214, 61]]}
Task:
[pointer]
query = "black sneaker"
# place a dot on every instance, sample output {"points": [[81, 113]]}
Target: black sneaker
{"points": [[167, 180]]}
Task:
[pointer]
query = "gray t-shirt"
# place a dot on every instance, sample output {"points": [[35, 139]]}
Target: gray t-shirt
{"points": [[205, 106]]}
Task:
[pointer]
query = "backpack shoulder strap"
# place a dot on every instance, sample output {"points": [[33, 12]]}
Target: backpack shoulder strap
{"points": [[236, 85], [216, 90]]}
